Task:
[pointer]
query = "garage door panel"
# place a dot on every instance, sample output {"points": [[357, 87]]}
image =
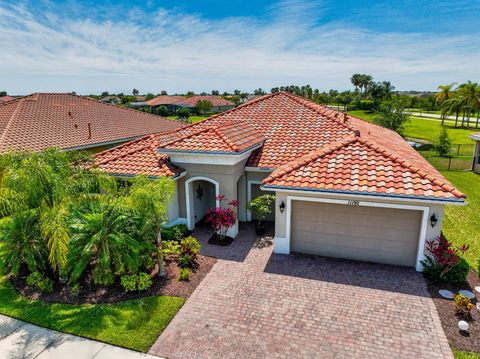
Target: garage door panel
{"points": [[375, 234]]}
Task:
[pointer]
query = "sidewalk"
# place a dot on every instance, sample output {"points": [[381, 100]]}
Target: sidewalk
{"points": [[23, 340]]}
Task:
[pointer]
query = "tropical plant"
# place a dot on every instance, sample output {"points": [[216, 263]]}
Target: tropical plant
{"points": [[174, 233], [262, 206], [443, 144], [222, 219], [445, 263], [40, 189], [203, 106], [463, 305], [171, 248], [136, 282], [36, 280], [184, 274], [162, 111], [356, 81], [190, 246], [150, 200], [103, 236]]}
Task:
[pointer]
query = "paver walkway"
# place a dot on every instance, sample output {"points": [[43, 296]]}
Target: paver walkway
{"points": [[22, 340], [256, 304]]}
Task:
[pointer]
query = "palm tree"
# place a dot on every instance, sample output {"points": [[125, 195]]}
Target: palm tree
{"points": [[43, 186], [356, 81], [366, 80], [453, 105], [443, 95], [470, 94], [103, 236], [150, 199]]}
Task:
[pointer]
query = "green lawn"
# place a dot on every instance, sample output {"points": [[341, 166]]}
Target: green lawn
{"points": [[193, 119], [461, 222], [133, 324], [466, 355], [425, 129]]}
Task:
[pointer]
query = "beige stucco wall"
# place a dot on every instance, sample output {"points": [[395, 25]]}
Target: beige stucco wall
{"points": [[476, 160]]}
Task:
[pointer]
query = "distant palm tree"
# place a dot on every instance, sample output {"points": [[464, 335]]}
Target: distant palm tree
{"points": [[443, 95], [470, 94], [356, 81]]}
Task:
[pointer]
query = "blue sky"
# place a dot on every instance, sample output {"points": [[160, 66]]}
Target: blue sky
{"points": [[92, 46]]}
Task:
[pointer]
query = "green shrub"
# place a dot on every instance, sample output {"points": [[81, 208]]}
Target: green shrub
{"points": [[174, 233], [44, 284], [162, 111], [144, 282], [185, 261], [184, 274], [171, 248], [129, 282], [190, 246], [136, 282], [456, 275]]}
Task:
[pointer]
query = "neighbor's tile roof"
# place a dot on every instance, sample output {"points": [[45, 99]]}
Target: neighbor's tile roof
{"points": [[163, 100], [292, 129], [139, 157], [6, 98], [192, 101], [356, 165], [43, 120]]}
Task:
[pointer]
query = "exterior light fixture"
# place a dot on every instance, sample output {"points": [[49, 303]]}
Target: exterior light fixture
{"points": [[433, 220], [463, 326], [282, 207]]}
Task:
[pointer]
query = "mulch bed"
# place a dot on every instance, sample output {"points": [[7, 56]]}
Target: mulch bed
{"points": [[216, 241], [168, 285], [449, 317]]}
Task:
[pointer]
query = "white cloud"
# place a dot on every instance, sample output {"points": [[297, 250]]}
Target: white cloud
{"points": [[178, 52]]}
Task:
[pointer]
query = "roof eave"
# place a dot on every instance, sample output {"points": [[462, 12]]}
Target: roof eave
{"points": [[457, 201]]}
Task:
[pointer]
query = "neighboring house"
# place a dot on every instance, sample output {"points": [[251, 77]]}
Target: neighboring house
{"points": [[43, 120], [476, 153], [163, 100], [344, 187], [111, 99], [6, 98], [218, 104]]}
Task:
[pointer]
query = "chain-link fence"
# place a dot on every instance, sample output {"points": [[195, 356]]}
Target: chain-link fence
{"points": [[459, 158]]}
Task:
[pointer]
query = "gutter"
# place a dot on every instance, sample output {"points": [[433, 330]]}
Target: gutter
{"points": [[167, 151], [458, 201]]}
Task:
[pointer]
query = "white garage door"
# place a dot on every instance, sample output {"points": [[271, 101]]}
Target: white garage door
{"points": [[373, 234]]}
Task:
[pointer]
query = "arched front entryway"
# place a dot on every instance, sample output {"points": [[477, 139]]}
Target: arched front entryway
{"points": [[201, 194]]}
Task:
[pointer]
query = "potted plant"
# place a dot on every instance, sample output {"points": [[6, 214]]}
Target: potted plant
{"points": [[262, 206], [222, 219]]}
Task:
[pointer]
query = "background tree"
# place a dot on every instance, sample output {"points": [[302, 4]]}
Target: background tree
{"points": [[215, 93], [104, 94], [162, 111], [443, 144], [392, 115], [183, 113], [203, 106], [445, 93], [135, 92], [259, 91], [356, 81]]}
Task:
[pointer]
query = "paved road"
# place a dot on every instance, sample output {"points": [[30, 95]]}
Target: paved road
{"points": [[22, 340]]}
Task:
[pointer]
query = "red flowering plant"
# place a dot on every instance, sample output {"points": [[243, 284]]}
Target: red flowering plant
{"points": [[445, 263], [222, 219]]}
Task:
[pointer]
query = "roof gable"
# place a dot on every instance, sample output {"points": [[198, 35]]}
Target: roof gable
{"points": [[357, 165]]}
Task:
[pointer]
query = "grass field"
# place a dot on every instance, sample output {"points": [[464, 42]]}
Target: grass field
{"points": [[426, 129], [461, 222], [191, 119], [133, 324]]}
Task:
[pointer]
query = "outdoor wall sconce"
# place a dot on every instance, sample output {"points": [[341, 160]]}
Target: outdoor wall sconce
{"points": [[433, 220], [282, 207]]}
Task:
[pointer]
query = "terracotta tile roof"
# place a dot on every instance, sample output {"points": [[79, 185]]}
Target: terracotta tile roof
{"points": [[192, 101], [6, 98], [231, 136], [163, 100], [44, 120], [294, 129], [139, 157], [357, 165]]}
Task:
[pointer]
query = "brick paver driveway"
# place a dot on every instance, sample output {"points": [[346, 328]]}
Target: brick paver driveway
{"points": [[256, 304]]}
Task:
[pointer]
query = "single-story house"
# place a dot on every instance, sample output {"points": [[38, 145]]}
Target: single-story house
{"points": [[344, 187], [111, 99], [72, 122], [218, 104], [476, 153]]}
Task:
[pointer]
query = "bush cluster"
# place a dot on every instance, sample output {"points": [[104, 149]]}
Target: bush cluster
{"points": [[37, 280], [174, 233], [136, 282]]}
